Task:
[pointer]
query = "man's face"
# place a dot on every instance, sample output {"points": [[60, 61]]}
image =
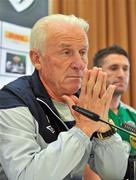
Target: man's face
{"points": [[117, 68], [65, 59]]}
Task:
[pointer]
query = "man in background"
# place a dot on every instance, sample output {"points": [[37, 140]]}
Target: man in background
{"points": [[114, 60]]}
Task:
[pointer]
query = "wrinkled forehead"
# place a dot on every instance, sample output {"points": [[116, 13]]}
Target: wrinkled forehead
{"points": [[65, 32], [63, 26], [57, 30]]}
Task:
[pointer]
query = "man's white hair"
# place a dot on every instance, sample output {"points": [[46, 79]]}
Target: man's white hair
{"points": [[40, 29]]}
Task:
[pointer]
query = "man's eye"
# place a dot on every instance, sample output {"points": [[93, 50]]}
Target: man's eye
{"points": [[125, 68], [113, 68], [83, 53], [67, 52]]}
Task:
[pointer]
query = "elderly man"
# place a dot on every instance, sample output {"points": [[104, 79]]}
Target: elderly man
{"points": [[41, 136]]}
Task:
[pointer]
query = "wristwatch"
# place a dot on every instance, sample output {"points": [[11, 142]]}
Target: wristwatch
{"points": [[104, 135]]}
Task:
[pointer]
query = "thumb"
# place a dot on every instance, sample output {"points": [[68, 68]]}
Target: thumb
{"points": [[68, 100]]}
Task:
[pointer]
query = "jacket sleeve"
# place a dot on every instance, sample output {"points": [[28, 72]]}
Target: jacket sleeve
{"points": [[24, 158], [109, 158]]}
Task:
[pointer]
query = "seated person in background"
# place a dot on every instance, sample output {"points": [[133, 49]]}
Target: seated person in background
{"points": [[41, 137], [114, 60]]}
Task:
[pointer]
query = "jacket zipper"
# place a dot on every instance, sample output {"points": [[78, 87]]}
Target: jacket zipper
{"points": [[38, 99]]}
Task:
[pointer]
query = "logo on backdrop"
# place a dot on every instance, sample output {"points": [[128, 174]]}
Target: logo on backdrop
{"points": [[21, 5]]}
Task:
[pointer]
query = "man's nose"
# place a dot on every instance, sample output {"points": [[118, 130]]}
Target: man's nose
{"points": [[78, 62], [121, 72]]}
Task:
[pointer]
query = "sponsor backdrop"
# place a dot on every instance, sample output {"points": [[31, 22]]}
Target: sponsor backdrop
{"points": [[16, 19]]}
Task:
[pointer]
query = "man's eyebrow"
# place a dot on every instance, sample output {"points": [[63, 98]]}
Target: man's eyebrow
{"points": [[116, 65], [63, 45]]}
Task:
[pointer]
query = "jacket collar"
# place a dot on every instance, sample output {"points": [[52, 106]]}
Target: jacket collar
{"points": [[40, 91]]}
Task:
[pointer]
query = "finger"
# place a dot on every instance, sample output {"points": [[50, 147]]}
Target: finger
{"points": [[99, 85], [70, 101], [92, 81], [103, 89], [75, 99], [107, 97], [84, 83], [110, 91]]}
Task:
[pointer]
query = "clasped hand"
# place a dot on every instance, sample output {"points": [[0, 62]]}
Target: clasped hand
{"points": [[95, 97]]}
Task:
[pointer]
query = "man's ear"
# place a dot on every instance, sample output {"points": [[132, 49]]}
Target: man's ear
{"points": [[35, 58]]}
